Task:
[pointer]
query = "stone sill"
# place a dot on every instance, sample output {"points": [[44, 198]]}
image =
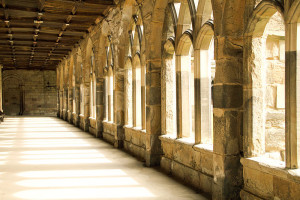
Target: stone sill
{"points": [[272, 167], [107, 122], [189, 142], [204, 147], [135, 129]]}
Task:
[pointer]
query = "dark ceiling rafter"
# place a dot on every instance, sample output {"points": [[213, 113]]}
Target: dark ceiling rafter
{"points": [[64, 27], [38, 34], [9, 32]]}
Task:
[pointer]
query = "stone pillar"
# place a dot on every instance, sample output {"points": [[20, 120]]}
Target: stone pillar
{"points": [[85, 125], [228, 99], [119, 106], [70, 106], [100, 106], [153, 113], [65, 99], [76, 119], [292, 102], [61, 103], [58, 103]]}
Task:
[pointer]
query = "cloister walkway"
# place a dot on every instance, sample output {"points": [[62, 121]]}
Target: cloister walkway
{"points": [[47, 158]]}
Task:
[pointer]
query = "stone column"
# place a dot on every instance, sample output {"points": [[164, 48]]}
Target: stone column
{"points": [[228, 99], [292, 96], [100, 106], [61, 103], [119, 106], [153, 113], [86, 106], [58, 103], [65, 110], [76, 119], [70, 106]]}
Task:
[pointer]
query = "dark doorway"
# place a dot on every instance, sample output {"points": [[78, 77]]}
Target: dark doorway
{"points": [[13, 96]]}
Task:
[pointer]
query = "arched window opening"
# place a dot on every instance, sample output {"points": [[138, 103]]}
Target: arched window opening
{"points": [[81, 91], [106, 95], [73, 85], [169, 89], [128, 93], [137, 92], [168, 75], [274, 80], [204, 80], [66, 87], [61, 88], [138, 74], [109, 85], [185, 82], [265, 72], [110, 97], [92, 86]]}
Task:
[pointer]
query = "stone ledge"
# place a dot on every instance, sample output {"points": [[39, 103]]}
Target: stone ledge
{"points": [[135, 136], [126, 127], [190, 176], [198, 157], [272, 167], [207, 148]]}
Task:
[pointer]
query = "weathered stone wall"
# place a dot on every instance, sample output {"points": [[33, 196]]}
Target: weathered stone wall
{"points": [[217, 148], [36, 88], [274, 87]]}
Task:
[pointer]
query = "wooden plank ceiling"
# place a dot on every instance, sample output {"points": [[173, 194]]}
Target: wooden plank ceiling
{"points": [[37, 34]]}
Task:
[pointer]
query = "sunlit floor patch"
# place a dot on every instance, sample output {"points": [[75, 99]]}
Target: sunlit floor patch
{"points": [[64, 156], [61, 151], [72, 173], [49, 159], [86, 193], [65, 161], [79, 182]]}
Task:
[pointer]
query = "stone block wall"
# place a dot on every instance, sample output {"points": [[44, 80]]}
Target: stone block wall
{"points": [[38, 89], [219, 153], [135, 142], [265, 181], [188, 162]]}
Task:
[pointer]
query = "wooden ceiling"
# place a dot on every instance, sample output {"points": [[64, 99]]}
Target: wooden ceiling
{"points": [[38, 34]]}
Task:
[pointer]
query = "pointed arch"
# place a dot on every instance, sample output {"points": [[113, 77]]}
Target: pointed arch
{"points": [[204, 75], [128, 93], [263, 31]]}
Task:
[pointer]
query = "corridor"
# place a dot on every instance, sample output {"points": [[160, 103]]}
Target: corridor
{"points": [[48, 158]]}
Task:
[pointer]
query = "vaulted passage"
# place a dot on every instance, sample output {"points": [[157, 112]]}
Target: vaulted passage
{"points": [[207, 91], [47, 158]]}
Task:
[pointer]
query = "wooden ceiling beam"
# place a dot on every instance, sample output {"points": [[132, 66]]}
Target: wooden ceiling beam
{"points": [[87, 4]]}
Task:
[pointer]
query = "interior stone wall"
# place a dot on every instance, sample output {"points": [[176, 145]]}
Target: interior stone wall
{"points": [[275, 88], [40, 98], [248, 115]]}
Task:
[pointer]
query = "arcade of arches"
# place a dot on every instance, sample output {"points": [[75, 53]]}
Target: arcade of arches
{"points": [[206, 89]]}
